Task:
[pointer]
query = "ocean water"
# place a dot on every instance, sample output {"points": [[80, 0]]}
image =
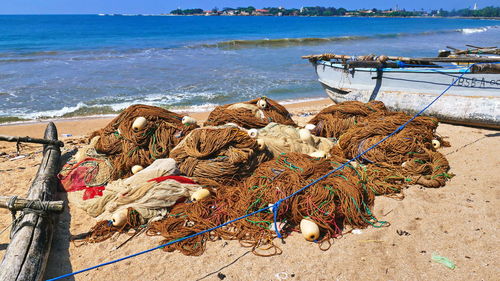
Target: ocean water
{"points": [[64, 66]]}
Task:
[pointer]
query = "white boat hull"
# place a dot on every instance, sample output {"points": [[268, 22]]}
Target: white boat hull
{"points": [[474, 100]]}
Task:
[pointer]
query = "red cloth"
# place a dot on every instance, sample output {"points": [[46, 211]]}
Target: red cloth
{"points": [[176, 178], [93, 191], [75, 179]]}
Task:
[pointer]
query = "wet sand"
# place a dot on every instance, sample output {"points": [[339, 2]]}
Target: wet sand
{"points": [[458, 221]]}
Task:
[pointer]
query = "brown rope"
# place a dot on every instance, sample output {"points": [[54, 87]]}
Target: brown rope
{"points": [[103, 230], [218, 153], [273, 112], [126, 147], [335, 120]]}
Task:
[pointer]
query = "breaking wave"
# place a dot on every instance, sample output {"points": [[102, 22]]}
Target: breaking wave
{"points": [[286, 42], [476, 30]]}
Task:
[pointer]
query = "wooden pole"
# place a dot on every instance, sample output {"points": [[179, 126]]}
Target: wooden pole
{"points": [[29, 248], [19, 204], [32, 140]]}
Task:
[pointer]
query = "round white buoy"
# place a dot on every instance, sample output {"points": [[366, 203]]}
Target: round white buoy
{"points": [[119, 218], [310, 127], [136, 169], [188, 120], [119, 131], [253, 133], [318, 154], [436, 144], [404, 164], [139, 123], [309, 229], [262, 103], [200, 194]]}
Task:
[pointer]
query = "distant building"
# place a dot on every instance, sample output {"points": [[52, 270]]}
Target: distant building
{"points": [[475, 7], [230, 12], [261, 12]]}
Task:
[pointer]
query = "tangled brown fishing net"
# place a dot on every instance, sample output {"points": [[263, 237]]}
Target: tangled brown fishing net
{"points": [[414, 138], [104, 230], [127, 147], [223, 158], [336, 119], [407, 157], [337, 201], [256, 113], [218, 153]]}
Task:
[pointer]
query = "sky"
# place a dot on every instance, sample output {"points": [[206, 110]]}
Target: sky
{"points": [[165, 6]]}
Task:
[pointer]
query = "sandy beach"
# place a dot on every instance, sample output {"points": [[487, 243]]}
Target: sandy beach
{"points": [[458, 221]]}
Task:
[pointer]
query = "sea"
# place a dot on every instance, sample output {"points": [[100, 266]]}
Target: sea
{"points": [[59, 66]]}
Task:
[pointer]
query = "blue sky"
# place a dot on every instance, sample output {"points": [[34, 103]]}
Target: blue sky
{"points": [[162, 6]]}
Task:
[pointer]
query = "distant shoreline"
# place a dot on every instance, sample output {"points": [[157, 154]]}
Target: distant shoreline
{"points": [[298, 16]]}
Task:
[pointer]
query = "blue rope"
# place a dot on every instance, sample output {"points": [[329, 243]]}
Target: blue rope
{"points": [[275, 216], [276, 205]]}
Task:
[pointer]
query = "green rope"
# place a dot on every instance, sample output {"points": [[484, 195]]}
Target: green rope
{"points": [[342, 176], [132, 151], [444, 174], [382, 223]]}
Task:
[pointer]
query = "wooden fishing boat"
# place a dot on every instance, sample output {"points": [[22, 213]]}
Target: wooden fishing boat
{"points": [[410, 84], [31, 234]]}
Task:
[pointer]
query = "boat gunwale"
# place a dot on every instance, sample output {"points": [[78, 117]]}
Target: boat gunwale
{"points": [[427, 70]]}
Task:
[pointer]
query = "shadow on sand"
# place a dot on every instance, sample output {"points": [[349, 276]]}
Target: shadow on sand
{"points": [[59, 262]]}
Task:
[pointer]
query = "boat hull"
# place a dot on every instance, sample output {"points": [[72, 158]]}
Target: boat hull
{"points": [[473, 101]]}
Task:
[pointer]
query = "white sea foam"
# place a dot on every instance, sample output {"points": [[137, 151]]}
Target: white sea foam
{"points": [[151, 100], [475, 30], [195, 108], [55, 113]]}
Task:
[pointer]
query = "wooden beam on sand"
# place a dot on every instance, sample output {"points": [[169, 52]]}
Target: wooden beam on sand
{"points": [[31, 236], [31, 140], [18, 204]]}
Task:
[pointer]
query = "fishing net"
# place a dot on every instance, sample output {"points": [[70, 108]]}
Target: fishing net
{"points": [[218, 153], [127, 147], [256, 113], [87, 172], [333, 203], [336, 119], [279, 139], [416, 136], [104, 230], [149, 192], [238, 168]]}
